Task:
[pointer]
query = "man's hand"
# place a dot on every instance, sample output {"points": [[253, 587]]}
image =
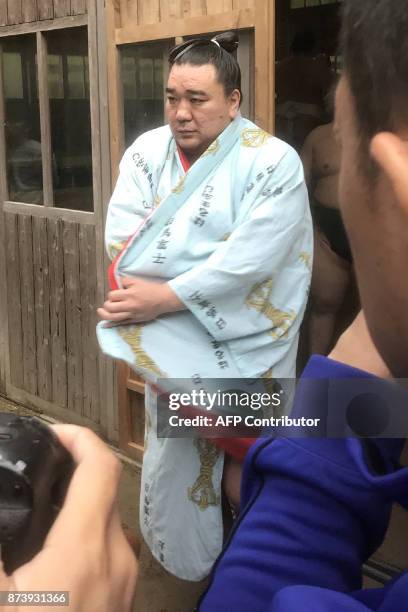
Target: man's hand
{"points": [[139, 301], [356, 348], [85, 552]]}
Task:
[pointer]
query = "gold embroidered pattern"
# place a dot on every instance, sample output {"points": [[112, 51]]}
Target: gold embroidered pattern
{"points": [[132, 334], [225, 237], [157, 201], [259, 298], [254, 138], [114, 248], [179, 188], [212, 149], [202, 492], [307, 259]]}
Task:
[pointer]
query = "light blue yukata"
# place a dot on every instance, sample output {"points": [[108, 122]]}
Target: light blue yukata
{"points": [[233, 238]]}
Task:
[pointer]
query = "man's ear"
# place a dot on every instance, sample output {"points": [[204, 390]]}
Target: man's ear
{"points": [[391, 154], [235, 99]]}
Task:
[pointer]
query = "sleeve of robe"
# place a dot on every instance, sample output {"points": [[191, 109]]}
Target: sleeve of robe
{"points": [[132, 199]]}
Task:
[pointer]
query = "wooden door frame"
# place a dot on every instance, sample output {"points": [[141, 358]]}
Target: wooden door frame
{"points": [[122, 30]]}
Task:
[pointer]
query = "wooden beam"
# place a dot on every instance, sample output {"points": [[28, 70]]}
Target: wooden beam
{"points": [[129, 446], [58, 345], [45, 119], [42, 307], [42, 406], [265, 64], [171, 28], [49, 24], [12, 265], [3, 160], [102, 192], [116, 120], [28, 304], [107, 366], [4, 354], [64, 214]]}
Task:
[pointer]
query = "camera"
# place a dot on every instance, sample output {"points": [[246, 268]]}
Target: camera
{"points": [[35, 470]]}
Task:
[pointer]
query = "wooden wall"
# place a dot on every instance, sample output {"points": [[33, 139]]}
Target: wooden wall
{"points": [[13, 12], [52, 301], [142, 12]]}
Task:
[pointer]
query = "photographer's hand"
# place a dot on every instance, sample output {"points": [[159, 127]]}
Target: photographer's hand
{"points": [[85, 552]]}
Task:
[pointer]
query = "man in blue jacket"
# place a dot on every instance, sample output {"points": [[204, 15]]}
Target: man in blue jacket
{"points": [[313, 510]]}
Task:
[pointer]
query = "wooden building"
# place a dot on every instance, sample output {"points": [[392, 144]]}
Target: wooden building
{"points": [[54, 185], [80, 79]]}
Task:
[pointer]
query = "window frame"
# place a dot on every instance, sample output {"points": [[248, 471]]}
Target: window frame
{"points": [[48, 209]]}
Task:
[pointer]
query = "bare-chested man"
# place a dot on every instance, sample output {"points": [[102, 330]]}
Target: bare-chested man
{"points": [[332, 260], [302, 80]]}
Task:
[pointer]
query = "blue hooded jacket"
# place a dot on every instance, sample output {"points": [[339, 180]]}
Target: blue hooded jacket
{"points": [[313, 510]]}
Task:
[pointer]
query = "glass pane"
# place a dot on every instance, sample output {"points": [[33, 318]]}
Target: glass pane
{"points": [[70, 119], [55, 76], [76, 76], [294, 4], [13, 75], [22, 115], [143, 68]]}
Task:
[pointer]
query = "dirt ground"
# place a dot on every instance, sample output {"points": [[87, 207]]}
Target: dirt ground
{"points": [[157, 590]]}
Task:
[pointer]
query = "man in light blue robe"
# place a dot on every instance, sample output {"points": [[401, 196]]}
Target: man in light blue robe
{"points": [[210, 234]]}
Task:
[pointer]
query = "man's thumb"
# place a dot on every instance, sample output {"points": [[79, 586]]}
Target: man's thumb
{"points": [[128, 282]]}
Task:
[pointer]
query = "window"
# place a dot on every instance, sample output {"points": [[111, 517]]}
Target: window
{"points": [[69, 120], [22, 119], [70, 117], [143, 75]]}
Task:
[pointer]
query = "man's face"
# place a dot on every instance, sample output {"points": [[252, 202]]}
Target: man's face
{"points": [[378, 230], [197, 108]]}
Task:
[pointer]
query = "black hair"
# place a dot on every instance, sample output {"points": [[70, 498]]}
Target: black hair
{"points": [[374, 44], [304, 43], [217, 51]]}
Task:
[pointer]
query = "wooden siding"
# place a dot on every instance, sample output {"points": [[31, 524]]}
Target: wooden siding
{"points": [[52, 301], [13, 12], [143, 12]]}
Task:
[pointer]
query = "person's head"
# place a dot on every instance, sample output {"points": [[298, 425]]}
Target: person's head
{"points": [[203, 91], [304, 43], [372, 120]]}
